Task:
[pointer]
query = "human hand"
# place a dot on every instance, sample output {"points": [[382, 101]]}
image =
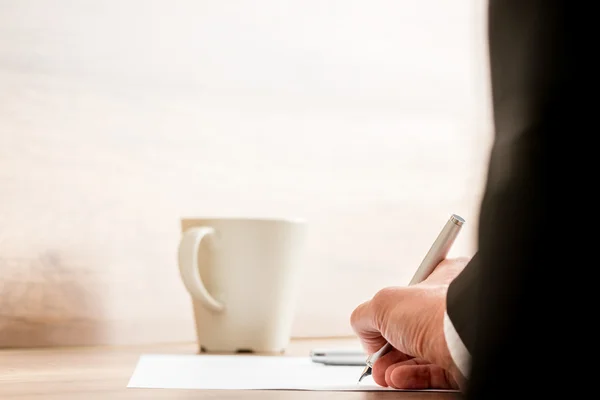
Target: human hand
{"points": [[411, 320]]}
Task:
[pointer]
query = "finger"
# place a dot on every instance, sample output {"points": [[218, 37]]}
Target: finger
{"points": [[362, 322], [413, 375], [384, 362]]}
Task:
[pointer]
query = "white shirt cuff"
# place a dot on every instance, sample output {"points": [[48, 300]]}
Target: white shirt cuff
{"points": [[458, 351]]}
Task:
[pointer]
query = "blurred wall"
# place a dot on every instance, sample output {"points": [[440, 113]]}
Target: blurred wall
{"points": [[117, 117]]}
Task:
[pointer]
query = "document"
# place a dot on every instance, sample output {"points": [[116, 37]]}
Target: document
{"points": [[246, 372]]}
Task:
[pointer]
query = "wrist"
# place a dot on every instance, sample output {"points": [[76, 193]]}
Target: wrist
{"points": [[438, 351]]}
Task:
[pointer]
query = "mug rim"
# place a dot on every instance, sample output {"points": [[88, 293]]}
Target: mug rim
{"points": [[294, 220]]}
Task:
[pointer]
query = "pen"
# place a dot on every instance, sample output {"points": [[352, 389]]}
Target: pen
{"points": [[436, 254], [349, 356]]}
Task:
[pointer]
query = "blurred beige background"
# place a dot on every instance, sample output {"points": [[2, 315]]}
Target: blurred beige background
{"points": [[369, 119]]}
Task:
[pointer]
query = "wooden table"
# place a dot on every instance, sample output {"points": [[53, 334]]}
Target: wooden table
{"points": [[103, 373]]}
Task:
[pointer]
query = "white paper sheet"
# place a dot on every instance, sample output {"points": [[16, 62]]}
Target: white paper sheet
{"points": [[245, 372]]}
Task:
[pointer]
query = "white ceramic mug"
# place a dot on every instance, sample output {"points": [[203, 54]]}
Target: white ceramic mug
{"points": [[242, 275]]}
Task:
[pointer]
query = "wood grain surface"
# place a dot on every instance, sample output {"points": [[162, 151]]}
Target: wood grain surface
{"points": [[103, 373]]}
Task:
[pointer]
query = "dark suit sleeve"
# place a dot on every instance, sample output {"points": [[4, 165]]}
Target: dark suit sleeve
{"points": [[491, 304]]}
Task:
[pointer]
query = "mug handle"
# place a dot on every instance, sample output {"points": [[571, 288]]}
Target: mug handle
{"points": [[188, 267]]}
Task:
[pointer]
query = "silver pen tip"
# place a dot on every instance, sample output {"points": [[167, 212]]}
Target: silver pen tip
{"points": [[366, 372]]}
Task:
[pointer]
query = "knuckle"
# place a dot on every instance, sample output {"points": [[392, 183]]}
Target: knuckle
{"points": [[384, 296], [382, 302], [356, 315], [369, 312]]}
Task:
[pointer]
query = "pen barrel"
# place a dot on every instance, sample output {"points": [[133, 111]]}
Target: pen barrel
{"points": [[375, 356], [439, 249]]}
